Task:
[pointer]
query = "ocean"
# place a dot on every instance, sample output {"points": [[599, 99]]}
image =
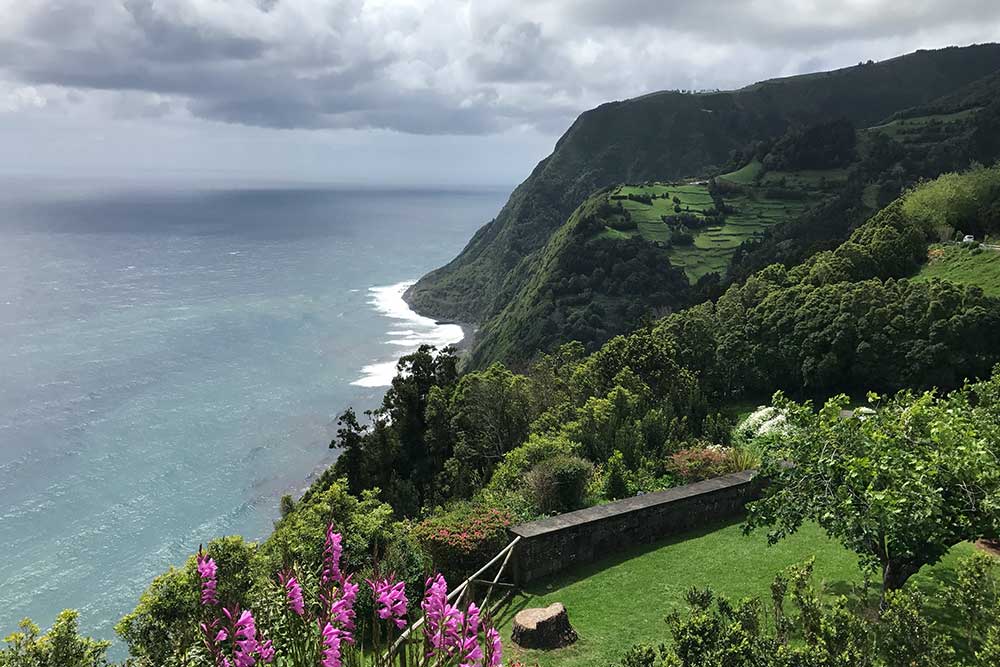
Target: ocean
{"points": [[173, 359]]}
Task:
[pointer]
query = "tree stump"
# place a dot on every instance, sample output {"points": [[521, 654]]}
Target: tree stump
{"points": [[543, 628]]}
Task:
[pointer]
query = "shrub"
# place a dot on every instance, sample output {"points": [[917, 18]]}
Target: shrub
{"points": [[559, 484], [739, 459], [287, 505], [62, 646], [517, 462], [615, 485], [718, 428], [694, 464], [460, 540], [682, 238], [908, 637]]}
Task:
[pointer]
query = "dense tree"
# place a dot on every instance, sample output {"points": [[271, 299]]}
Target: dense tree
{"points": [[61, 646], [391, 452], [826, 145], [899, 485], [490, 412]]}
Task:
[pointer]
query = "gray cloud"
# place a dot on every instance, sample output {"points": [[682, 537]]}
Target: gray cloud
{"points": [[442, 66]]}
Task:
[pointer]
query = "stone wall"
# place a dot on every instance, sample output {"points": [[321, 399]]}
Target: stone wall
{"points": [[560, 542]]}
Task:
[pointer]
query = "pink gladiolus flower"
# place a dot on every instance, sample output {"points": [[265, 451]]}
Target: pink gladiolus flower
{"points": [[247, 648], [208, 571], [294, 593], [495, 648], [331, 646], [442, 620], [266, 652], [391, 599], [342, 612], [332, 551], [470, 651]]}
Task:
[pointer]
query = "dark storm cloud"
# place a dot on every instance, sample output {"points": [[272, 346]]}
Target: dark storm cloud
{"points": [[167, 40], [789, 23], [445, 66]]}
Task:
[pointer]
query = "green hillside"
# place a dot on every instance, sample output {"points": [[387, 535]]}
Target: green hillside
{"points": [[682, 217], [802, 161], [963, 265], [635, 252], [671, 135], [595, 278]]}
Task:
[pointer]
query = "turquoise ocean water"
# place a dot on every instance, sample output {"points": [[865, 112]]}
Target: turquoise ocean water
{"points": [[172, 361]]}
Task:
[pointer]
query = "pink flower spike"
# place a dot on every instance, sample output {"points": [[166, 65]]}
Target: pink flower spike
{"points": [[331, 646], [332, 551], [443, 621], [248, 648], [294, 592], [391, 600], [495, 647], [208, 572], [471, 653], [267, 652]]}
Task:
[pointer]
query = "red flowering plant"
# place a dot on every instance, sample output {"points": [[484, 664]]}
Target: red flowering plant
{"points": [[464, 538], [694, 464], [319, 624]]}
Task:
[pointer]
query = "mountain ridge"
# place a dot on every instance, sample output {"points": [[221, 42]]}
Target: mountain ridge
{"points": [[671, 135]]}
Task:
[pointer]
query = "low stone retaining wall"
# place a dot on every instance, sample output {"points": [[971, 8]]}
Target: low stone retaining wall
{"points": [[560, 542]]}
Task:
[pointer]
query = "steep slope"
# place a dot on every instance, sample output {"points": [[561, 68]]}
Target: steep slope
{"points": [[632, 253], [616, 262], [848, 319], [669, 135], [915, 144], [589, 283]]}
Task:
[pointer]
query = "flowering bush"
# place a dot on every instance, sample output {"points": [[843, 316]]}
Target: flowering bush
{"points": [[463, 539], [697, 463], [319, 625]]}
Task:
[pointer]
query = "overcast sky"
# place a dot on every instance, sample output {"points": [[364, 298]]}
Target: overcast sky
{"points": [[397, 91]]}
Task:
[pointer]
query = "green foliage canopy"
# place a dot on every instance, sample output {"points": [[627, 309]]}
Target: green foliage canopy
{"points": [[899, 485]]}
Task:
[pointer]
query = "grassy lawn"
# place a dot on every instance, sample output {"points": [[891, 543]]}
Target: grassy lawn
{"points": [[960, 265], [624, 599]]}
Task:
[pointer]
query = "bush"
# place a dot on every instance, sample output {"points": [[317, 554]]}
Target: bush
{"points": [[694, 464], [62, 646], [718, 428], [615, 485], [517, 462], [559, 484], [462, 539], [682, 238], [739, 459]]}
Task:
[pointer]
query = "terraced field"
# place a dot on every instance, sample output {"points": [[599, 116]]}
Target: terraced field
{"points": [[713, 246], [806, 179], [913, 130]]}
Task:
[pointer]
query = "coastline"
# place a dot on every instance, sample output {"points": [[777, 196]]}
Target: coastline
{"points": [[407, 331], [469, 330]]}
